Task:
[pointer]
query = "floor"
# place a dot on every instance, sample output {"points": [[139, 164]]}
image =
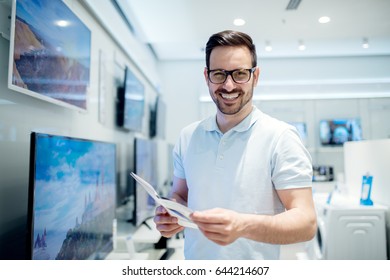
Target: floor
{"points": [[287, 252]]}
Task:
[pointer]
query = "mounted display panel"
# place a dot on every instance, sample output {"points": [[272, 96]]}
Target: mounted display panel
{"points": [[50, 53], [157, 118], [72, 198], [145, 164], [131, 103], [335, 132]]}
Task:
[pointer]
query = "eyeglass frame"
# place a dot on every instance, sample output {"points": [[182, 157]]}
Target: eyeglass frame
{"points": [[230, 73]]}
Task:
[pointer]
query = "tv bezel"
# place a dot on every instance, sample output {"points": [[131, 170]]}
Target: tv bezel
{"points": [[43, 96], [30, 239], [153, 117]]}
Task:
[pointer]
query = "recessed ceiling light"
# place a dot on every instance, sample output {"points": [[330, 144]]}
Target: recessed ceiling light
{"points": [[365, 44], [324, 19], [301, 45], [268, 47], [239, 22]]}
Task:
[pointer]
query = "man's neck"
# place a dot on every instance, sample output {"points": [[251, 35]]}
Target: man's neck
{"points": [[227, 122]]}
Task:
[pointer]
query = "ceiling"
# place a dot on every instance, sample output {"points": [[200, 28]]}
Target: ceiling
{"points": [[179, 29]]}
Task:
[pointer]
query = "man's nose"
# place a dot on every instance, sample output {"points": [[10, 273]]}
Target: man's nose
{"points": [[229, 84]]}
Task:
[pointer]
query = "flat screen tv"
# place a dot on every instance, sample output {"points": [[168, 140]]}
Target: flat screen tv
{"points": [[72, 201], [336, 132], [145, 166], [50, 53], [157, 118], [130, 103]]}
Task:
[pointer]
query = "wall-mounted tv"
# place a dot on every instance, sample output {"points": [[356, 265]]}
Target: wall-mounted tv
{"points": [[157, 118], [335, 132], [49, 54], [145, 166], [72, 201], [131, 103]]}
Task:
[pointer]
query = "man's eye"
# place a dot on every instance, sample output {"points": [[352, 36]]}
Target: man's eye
{"points": [[219, 75], [241, 74]]}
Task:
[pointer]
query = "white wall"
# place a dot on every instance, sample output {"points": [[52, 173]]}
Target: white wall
{"points": [[180, 87]]}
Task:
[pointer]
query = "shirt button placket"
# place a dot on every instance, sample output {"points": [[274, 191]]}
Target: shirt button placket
{"points": [[221, 151]]}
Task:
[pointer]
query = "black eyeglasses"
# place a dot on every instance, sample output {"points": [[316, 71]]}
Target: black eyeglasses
{"points": [[239, 76]]}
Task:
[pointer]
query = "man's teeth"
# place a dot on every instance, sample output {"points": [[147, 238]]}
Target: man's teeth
{"points": [[229, 96]]}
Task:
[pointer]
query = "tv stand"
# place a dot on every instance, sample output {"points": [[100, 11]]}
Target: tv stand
{"points": [[145, 243], [147, 225], [168, 253]]}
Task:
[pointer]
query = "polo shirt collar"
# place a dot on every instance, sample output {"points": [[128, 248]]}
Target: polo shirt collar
{"points": [[210, 124]]}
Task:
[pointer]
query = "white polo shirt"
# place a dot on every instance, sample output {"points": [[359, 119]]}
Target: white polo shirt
{"points": [[239, 170]]}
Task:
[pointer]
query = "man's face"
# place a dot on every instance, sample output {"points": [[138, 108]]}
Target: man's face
{"points": [[230, 97]]}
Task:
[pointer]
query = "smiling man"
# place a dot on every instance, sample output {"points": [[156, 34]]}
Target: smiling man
{"points": [[247, 175]]}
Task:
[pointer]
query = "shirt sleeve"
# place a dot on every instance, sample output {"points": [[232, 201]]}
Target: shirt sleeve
{"points": [[291, 165]]}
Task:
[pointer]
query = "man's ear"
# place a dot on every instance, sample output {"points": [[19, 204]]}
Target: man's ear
{"points": [[256, 75], [205, 75]]}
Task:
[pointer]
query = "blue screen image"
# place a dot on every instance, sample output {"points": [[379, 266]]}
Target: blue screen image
{"points": [[73, 197]]}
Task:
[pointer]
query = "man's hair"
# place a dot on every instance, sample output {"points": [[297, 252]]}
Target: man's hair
{"points": [[233, 39]]}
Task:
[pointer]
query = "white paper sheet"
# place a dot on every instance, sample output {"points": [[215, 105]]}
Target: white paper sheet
{"points": [[181, 212]]}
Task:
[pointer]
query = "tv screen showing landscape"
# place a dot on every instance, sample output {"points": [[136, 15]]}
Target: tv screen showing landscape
{"points": [[72, 198], [49, 53], [134, 101], [146, 167]]}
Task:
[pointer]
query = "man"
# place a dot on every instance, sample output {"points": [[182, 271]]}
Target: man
{"points": [[246, 174]]}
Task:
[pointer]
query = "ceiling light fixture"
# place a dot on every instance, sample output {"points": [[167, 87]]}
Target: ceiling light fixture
{"points": [[268, 47], [365, 44], [301, 45], [324, 19], [239, 22]]}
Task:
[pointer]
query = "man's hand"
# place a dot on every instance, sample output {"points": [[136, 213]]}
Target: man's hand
{"points": [[221, 226], [166, 224]]}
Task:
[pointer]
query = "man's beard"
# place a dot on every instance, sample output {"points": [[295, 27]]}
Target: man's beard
{"points": [[234, 108]]}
